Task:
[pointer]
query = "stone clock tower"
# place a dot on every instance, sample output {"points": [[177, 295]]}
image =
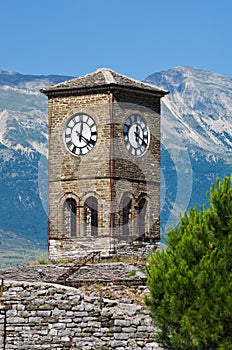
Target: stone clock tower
{"points": [[104, 163]]}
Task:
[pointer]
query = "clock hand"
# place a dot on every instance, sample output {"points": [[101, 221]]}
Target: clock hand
{"points": [[91, 143], [88, 142], [137, 132], [138, 137], [81, 130], [81, 137], [84, 138]]}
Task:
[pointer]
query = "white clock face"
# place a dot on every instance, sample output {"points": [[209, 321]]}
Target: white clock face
{"points": [[80, 134], [136, 135]]}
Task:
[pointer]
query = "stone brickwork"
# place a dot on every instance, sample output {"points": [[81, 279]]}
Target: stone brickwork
{"points": [[108, 172], [54, 317], [106, 274]]}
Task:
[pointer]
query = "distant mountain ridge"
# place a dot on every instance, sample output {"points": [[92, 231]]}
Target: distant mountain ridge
{"points": [[196, 135], [15, 79], [196, 148], [201, 101]]}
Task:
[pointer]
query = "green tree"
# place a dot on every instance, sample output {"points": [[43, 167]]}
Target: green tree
{"points": [[190, 282]]}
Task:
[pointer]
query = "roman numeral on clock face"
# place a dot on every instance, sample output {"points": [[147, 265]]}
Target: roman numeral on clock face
{"points": [[92, 142]]}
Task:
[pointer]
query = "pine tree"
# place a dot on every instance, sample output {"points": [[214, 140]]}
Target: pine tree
{"points": [[190, 283]]}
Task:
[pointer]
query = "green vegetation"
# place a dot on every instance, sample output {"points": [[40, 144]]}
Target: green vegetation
{"points": [[131, 259], [17, 251], [191, 282], [132, 273]]}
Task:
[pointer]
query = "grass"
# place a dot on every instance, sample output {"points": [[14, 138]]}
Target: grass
{"points": [[18, 251], [132, 273], [127, 259]]}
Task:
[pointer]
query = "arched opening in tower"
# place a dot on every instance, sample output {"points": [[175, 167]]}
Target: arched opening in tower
{"points": [[91, 216], [125, 215], [142, 209], [69, 219]]}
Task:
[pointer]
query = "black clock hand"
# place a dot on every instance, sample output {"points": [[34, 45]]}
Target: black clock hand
{"points": [[81, 137], [81, 130], [84, 138], [91, 143], [88, 142], [137, 132], [143, 142]]}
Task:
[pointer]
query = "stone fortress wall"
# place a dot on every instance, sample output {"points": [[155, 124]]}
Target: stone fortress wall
{"points": [[35, 314]]}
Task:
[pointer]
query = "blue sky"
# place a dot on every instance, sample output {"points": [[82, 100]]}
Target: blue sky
{"points": [[133, 37]]}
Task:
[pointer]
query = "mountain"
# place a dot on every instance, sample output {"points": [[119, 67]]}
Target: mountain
{"points": [[23, 152], [196, 148], [196, 136]]}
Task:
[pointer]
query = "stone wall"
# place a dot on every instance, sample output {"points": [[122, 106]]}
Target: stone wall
{"points": [[47, 316]]}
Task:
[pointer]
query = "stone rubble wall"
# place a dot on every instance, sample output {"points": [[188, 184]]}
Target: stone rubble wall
{"points": [[135, 249], [118, 273], [47, 316]]}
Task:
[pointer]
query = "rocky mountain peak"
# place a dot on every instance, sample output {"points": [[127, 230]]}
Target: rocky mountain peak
{"points": [[200, 103]]}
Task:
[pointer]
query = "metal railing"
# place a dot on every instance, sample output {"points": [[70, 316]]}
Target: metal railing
{"points": [[77, 265]]}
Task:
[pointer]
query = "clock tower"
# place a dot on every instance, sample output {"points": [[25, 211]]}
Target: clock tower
{"points": [[104, 163]]}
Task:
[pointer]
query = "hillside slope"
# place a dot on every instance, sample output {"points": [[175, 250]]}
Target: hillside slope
{"points": [[196, 136], [23, 152]]}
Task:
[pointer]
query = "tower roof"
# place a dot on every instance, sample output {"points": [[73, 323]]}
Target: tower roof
{"points": [[98, 80]]}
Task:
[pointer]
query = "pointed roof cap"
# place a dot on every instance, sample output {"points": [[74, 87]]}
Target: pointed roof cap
{"points": [[101, 79]]}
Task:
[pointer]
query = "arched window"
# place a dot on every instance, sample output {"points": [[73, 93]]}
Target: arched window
{"points": [[125, 214], [142, 208], [70, 213], [91, 216]]}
